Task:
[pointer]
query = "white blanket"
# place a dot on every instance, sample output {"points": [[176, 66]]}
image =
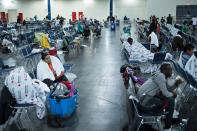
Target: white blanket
{"points": [[191, 66], [25, 90], [138, 52], [44, 72], [172, 29]]}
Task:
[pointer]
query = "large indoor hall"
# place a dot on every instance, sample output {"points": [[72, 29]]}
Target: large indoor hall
{"points": [[98, 65]]}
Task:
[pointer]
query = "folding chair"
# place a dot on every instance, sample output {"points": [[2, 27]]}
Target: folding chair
{"points": [[23, 51], [158, 59], [182, 73], [18, 110], [193, 86], [147, 46], [145, 118], [68, 67], [29, 49]]}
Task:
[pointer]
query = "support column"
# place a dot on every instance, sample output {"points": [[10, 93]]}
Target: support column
{"points": [[111, 7], [49, 9]]}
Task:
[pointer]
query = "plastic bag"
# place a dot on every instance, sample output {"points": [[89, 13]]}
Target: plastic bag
{"points": [[60, 91]]}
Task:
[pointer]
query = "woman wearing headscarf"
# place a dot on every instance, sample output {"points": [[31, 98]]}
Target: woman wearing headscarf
{"points": [[50, 68]]}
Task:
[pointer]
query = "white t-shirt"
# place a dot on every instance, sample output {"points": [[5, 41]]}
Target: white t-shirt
{"points": [[194, 21], [154, 39]]}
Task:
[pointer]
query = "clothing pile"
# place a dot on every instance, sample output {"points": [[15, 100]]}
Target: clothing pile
{"points": [[43, 40], [60, 91]]}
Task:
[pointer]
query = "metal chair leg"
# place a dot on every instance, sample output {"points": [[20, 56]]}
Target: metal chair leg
{"points": [[188, 95], [141, 122], [157, 120], [184, 89]]}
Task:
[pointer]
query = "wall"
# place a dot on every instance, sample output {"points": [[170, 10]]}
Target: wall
{"points": [[7, 4], [130, 8], [92, 8], [164, 7], [95, 8], [32, 7]]}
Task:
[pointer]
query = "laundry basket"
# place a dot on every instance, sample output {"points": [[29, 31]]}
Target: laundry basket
{"points": [[64, 107]]}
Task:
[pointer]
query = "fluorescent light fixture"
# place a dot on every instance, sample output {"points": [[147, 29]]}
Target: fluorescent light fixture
{"points": [[88, 2], [130, 2], [8, 3]]}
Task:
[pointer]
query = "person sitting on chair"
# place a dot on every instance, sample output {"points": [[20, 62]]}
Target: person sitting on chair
{"points": [[50, 68], [186, 54], [86, 32], [27, 90], [156, 87], [177, 43], [154, 42], [191, 66], [80, 27], [127, 44]]}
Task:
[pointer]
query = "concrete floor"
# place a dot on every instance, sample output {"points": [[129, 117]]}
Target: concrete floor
{"points": [[102, 99]]}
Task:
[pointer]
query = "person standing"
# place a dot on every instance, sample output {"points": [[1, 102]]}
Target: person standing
{"points": [[154, 42], [194, 23], [153, 26], [162, 20], [169, 19], [18, 24]]}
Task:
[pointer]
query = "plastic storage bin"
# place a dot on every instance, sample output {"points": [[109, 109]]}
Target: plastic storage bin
{"points": [[62, 107]]}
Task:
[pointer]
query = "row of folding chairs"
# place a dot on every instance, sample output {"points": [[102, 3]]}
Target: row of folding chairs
{"points": [[191, 83]]}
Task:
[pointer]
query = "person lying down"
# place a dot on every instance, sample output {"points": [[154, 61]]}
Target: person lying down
{"points": [[27, 91], [137, 51]]}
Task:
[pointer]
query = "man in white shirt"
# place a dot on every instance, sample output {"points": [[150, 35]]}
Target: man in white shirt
{"points": [[154, 42], [194, 23]]}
